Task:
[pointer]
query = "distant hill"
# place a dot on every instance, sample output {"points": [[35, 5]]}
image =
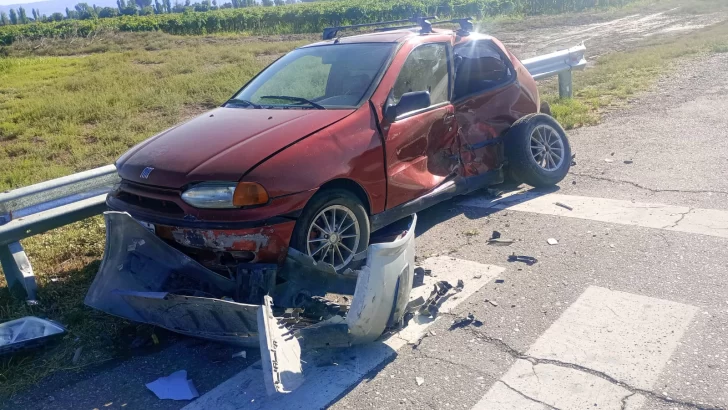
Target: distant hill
{"points": [[49, 7]]}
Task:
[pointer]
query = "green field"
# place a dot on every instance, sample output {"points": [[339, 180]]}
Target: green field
{"points": [[67, 105]]}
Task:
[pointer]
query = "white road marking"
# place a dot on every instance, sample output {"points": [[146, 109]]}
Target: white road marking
{"points": [[711, 222], [627, 337], [325, 383]]}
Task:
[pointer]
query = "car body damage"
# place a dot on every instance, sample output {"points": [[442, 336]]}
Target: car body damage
{"points": [[145, 279], [400, 120]]}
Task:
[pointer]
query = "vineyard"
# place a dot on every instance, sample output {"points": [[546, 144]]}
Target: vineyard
{"points": [[296, 18]]}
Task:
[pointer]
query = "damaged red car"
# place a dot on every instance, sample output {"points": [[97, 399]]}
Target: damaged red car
{"points": [[339, 138]]}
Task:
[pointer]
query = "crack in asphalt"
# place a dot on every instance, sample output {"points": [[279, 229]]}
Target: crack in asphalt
{"points": [[640, 186], [528, 397], [624, 400], [682, 216], [536, 361]]}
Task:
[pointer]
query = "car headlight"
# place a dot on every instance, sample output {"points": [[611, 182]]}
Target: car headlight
{"points": [[225, 195]]}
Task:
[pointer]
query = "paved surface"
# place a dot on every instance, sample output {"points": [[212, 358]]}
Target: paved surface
{"points": [[628, 311]]}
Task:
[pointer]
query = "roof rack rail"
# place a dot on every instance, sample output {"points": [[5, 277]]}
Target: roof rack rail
{"points": [[330, 32], [465, 25]]}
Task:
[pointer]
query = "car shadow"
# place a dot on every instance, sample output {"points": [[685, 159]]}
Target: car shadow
{"points": [[495, 199]]}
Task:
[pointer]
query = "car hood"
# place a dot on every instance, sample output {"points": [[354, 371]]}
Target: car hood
{"points": [[220, 145]]}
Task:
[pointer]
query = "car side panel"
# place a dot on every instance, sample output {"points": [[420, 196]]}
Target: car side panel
{"points": [[350, 149], [487, 116]]}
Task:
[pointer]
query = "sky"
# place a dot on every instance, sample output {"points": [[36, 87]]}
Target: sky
{"points": [[8, 2]]}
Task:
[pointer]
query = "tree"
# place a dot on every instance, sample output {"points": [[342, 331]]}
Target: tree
{"points": [[4, 20], [143, 3], [267, 3], [22, 17], [107, 12], [167, 6], [227, 6], [13, 17], [84, 11], [145, 11], [279, 2], [290, 1], [158, 7], [178, 8], [56, 16], [35, 16], [71, 14]]}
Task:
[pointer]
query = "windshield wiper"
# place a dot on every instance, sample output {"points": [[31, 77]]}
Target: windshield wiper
{"points": [[299, 99], [245, 103]]}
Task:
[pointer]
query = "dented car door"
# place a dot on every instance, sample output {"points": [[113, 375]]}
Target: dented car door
{"points": [[420, 141]]}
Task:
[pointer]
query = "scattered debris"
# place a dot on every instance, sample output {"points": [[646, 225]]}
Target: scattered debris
{"points": [[573, 182], [465, 322], [477, 276], [611, 245], [419, 380], [28, 333], [492, 302], [495, 192], [495, 239], [612, 154], [628, 161], [499, 281], [77, 356], [460, 285], [528, 260], [176, 386], [241, 354], [563, 205], [573, 160], [552, 241], [608, 160]]}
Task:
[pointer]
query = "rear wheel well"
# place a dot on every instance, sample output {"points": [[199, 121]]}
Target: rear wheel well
{"points": [[351, 186]]}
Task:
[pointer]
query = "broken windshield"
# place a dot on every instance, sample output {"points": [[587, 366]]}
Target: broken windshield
{"points": [[331, 76]]}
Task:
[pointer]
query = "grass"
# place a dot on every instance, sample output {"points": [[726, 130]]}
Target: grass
{"points": [[618, 78]]}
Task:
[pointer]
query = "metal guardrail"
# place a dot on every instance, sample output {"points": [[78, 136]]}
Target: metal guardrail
{"points": [[560, 63], [41, 207], [48, 205]]}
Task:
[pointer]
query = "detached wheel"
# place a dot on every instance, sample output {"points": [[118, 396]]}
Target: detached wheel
{"points": [[538, 151], [333, 228]]}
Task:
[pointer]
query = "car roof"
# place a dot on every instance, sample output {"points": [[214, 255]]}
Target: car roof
{"points": [[393, 36]]}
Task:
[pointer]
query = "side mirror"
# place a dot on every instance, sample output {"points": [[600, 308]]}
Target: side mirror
{"points": [[409, 102]]}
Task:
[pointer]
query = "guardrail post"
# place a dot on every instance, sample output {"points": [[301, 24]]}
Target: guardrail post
{"points": [[18, 272], [565, 88]]}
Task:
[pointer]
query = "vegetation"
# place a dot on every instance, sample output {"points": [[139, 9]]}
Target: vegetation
{"points": [[294, 18]]}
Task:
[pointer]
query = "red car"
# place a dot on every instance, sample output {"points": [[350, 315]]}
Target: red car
{"points": [[339, 138]]}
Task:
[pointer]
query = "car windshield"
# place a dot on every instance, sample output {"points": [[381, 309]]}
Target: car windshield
{"points": [[322, 77]]}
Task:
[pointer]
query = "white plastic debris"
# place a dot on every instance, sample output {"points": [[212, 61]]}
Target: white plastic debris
{"points": [[27, 332], [174, 387], [419, 380], [608, 160], [552, 241]]}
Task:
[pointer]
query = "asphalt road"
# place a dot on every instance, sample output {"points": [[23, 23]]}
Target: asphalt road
{"points": [[623, 313]]}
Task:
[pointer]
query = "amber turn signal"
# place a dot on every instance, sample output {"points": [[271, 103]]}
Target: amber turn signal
{"points": [[249, 193]]}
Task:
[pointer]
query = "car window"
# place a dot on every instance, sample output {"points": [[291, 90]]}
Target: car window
{"points": [[424, 70], [479, 67], [332, 76]]}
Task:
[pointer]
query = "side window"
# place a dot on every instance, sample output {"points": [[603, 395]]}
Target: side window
{"points": [[424, 70], [479, 67]]}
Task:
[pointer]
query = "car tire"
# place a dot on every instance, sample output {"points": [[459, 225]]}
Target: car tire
{"points": [[538, 151], [342, 208]]}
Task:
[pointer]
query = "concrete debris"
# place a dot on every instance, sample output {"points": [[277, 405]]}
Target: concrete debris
{"points": [[563, 205], [176, 386], [465, 322], [477, 276], [552, 241], [419, 380], [492, 302], [528, 260], [608, 160]]}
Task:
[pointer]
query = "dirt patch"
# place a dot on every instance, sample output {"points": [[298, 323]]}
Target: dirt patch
{"points": [[603, 37]]}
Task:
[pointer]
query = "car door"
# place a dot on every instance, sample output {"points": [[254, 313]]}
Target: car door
{"points": [[487, 100], [420, 145]]}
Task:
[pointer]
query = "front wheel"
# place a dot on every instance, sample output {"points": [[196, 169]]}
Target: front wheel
{"points": [[538, 151], [333, 228]]}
